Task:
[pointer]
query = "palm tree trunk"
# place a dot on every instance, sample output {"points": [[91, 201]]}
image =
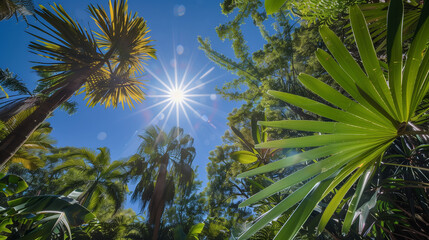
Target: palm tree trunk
{"points": [[157, 202], [20, 134], [158, 216], [84, 198]]}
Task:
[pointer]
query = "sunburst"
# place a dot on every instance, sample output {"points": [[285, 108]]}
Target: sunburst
{"points": [[179, 96]]}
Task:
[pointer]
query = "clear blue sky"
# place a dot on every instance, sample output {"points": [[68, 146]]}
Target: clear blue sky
{"points": [[174, 26]]}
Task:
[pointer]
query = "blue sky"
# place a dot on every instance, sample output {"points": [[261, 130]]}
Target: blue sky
{"points": [[174, 27]]}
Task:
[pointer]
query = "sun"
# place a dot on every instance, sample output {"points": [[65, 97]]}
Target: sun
{"points": [[177, 95]]}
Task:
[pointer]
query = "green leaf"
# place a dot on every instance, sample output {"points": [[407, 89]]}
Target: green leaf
{"points": [[333, 162], [347, 83], [76, 214], [422, 84], [351, 67], [394, 52], [12, 184], [317, 126], [240, 136], [413, 62], [324, 110], [256, 135], [333, 96], [374, 113], [272, 6], [195, 231], [75, 194], [302, 212], [320, 140], [369, 58], [51, 223], [364, 164], [292, 199], [3, 226], [302, 157], [363, 181], [363, 211], [244, 157], [424, 15]]}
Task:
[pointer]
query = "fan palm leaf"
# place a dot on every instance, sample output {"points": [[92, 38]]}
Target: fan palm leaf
{"points": [[350, 147]]}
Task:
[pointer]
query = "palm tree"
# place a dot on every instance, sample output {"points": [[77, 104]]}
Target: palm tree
{"points": [[99, 178], [104, 66], [164, 166]]}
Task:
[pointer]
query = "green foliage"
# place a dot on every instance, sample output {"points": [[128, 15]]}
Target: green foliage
{"points": [[223, 193], [351, 146], [11, 81], [38, 217], [185, 212], [251, 154], [375, 13], [100, 179], [313, 11], [11, 184], [273, 66], [100, 66], [272, 6]]}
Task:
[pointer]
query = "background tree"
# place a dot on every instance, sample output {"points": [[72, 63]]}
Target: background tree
{"points": [[163, 167], [186, 210], [96, 176]]}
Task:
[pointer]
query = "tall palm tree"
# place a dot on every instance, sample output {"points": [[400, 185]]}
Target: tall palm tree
{"points": [[100, 177], [104, 66], [164, 166]]}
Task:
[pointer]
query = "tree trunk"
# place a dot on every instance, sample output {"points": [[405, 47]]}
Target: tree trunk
{"points": [[20, 134], [158, 216], [84, 198], [157, 201]]}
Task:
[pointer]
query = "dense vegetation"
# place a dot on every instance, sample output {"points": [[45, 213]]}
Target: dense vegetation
{"points": [[331, 141]]}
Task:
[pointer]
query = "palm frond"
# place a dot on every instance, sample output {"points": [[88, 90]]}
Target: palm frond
{"points": [[11, 81], [124, 34]]}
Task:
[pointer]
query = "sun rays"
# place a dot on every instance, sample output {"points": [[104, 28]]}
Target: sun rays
{"points": [[179, 96]]}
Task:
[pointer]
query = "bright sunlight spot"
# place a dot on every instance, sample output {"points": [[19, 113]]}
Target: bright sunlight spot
{"points": [[177, 95]]}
